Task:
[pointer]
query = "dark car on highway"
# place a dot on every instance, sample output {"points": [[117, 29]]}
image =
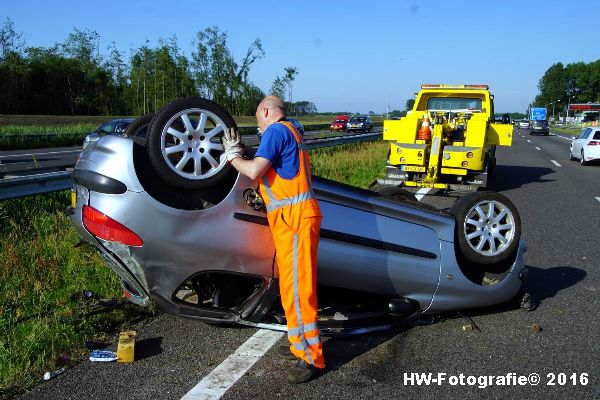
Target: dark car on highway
{"points": [[113, 127], [360, 123], [540, 127]]}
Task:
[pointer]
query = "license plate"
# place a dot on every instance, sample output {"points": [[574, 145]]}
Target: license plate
{"points": [[73, 199], [412, 168]]}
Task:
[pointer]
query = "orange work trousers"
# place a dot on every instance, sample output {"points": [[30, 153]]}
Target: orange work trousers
{"points": [[296, 237]]}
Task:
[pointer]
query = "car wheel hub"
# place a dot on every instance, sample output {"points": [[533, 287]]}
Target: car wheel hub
{"points": [[489, 227], [190, 144]]}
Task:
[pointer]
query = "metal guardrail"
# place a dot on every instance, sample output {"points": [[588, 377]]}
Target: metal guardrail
{"points": [[20, 178]]}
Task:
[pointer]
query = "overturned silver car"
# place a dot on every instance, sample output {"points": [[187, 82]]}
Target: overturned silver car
{"points": [[186, 232]]}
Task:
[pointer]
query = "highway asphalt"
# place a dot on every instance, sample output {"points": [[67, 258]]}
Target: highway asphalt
{"points": [[559, 204]]}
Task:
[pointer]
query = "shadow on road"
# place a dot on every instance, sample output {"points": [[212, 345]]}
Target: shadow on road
{"points": [[147, 348], [545, 283], [513, 176], [542, 284]]}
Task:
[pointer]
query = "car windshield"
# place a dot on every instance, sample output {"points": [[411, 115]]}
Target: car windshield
{"points": [[453, 104], [357, 119], [340, 120]]}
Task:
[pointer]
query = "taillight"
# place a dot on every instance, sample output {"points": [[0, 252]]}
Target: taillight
{"points": [[104, 227], [593, 143]]}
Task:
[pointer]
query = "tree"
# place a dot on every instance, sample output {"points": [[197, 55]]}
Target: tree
{"points": [[289, 77], [278, 88], [409, 104], [13, 70], [304, 108], [218, 76]]}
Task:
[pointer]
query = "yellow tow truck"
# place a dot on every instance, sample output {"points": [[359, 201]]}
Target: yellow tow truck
{"points": [[447, 141]]}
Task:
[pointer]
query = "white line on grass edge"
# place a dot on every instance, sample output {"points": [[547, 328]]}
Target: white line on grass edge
{"points": [[219, 380]]}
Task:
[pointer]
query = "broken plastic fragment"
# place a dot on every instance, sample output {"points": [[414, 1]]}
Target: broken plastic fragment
{"points": [[103, 355]]}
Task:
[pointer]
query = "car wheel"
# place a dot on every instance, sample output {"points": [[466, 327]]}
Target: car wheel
{"points": [[488, 227], [139, 127], [571, 155], [184, 143], [582, 159]]}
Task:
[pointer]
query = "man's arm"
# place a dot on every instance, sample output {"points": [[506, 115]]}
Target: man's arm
{"points": [[253, 169]]}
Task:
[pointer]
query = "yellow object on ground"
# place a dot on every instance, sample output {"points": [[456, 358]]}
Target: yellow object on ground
{"points": [[126, 347]]}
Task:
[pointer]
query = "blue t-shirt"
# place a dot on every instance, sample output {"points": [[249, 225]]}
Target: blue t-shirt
{"points": [[279, 146]]}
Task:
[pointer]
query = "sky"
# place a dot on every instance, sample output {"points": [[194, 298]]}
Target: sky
{"points": [[356, 56]]}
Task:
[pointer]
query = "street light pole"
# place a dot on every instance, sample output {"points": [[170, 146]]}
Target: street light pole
{"points": [[569, 105], [553, 102]]}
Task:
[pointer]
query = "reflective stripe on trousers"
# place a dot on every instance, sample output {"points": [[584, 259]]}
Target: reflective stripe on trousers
{"points": [[296, 258]]}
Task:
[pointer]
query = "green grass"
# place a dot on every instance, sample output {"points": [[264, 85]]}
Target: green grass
{"points": [[356, 164], [39, 270], [575, 131]]}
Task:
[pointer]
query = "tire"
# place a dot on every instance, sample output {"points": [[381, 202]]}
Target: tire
{"points": [[571, 155], [393, 192], [582, 159], [139, 127], [483, 240], [194, 161]]}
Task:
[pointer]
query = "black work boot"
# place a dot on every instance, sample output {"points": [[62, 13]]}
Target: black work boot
{"points": [[284, 353], [302, 372]]}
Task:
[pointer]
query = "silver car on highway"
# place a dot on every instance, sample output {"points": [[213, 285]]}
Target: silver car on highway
{"points": [[186, 232]]}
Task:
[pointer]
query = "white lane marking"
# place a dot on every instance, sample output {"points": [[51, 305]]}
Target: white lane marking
{"points": [[219, 380], [422, 192], [555, 163], [528, 141], [598, 198], [570, 139], [537, 148]]}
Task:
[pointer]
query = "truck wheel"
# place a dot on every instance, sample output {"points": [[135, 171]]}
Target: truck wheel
{"points": [[184, 143], [488, 227]]}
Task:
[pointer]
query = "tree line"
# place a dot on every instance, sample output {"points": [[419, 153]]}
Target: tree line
{"points": [[75, 78], [574, 83]]}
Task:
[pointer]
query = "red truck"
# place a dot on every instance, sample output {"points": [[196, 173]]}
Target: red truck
{"points": [[339, 124]]}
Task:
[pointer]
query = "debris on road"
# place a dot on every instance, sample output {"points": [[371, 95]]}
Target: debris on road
{"points": [[472, 323], [103, 355], [467, 327], [49, 375], [126, 347], [536, 328]]}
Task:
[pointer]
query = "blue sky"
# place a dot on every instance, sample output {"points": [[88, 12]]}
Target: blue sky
{"points": [[351, 55]]}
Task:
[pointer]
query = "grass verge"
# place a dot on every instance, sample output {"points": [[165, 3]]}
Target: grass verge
{"points": [[356, 164], [42, 328], [567, 131]]}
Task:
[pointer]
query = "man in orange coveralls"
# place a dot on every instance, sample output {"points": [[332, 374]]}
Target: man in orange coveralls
{"points": [[283, 167]]}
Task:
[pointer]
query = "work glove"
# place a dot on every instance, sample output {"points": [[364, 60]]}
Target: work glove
{"points": [[232, 144]]}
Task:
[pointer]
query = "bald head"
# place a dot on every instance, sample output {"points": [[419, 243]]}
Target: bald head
{"points": [[271, 109]]}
